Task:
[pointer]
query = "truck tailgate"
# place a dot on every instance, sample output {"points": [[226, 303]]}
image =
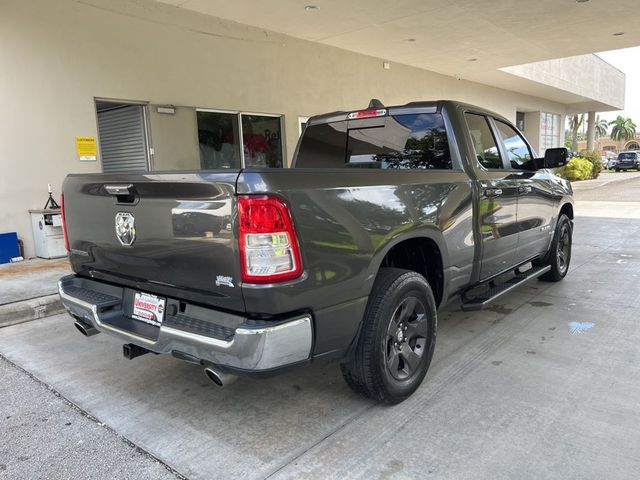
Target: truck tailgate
{"points": [[164, 233]]}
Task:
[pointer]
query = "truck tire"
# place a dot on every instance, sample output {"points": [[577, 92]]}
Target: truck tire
{"points": [[397, 338], [559, 254]]}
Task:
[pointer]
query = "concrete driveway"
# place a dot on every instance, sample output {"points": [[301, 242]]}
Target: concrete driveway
{"points": [[545, 384]]}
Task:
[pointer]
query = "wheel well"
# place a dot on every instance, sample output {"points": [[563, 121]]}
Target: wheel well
{"points": [[567, 209], [421, 255]]}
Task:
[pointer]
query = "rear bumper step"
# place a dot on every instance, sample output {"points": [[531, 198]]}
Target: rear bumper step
{"points": [[492, 293], [251, 345]]}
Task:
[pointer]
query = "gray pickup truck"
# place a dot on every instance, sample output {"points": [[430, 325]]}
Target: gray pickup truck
{"points": [[387, 214]]}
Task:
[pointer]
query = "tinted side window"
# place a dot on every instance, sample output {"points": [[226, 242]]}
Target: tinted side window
{"points": [[518, 152], [417, 141], [485, 145]]}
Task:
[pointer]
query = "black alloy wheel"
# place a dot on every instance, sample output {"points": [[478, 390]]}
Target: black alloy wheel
{"points": [[563, 249], [406, 338]]}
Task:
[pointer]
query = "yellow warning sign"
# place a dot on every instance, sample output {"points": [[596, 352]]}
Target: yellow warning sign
{"points": [[86, 148]]}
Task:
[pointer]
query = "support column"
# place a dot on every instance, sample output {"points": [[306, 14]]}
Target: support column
{"points": [[532, 130], [591, 131], [563, 122]]}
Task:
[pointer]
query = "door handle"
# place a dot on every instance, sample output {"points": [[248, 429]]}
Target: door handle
{"points": [[525, 189], [492, 192], [118, 189]]}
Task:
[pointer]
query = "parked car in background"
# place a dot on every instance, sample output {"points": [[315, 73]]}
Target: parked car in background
{"points": [[628, 161], [387, 214], [612, 163]]}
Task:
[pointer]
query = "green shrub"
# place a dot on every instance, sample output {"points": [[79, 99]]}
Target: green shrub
{"points": [[594, 157], [578, 168]]}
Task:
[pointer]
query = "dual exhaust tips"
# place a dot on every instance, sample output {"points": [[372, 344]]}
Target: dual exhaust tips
{"points": [[131, 351]]}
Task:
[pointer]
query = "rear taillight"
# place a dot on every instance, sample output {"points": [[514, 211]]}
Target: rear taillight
{"points": [[269, 250], [64, 223]]}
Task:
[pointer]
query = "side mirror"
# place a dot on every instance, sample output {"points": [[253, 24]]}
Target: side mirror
{"points": [[556, 157]]}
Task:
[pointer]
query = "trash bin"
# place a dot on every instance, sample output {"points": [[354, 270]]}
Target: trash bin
{"points": [[47, 233]]}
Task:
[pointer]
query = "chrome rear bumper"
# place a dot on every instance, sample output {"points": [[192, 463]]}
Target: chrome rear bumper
{"points": [[251, 345]]}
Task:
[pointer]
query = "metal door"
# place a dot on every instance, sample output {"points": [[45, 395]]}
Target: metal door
{"points": [[122, 136]]}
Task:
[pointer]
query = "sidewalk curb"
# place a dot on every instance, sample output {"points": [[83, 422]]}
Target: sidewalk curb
{"points": [[604, 179], [27, 310]]}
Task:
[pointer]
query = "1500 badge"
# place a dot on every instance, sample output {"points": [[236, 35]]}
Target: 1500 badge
{"points": [[222, 280]]}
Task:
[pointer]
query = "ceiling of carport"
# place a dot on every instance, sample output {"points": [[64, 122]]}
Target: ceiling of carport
{"points": [[447, 33], [470, 39]]}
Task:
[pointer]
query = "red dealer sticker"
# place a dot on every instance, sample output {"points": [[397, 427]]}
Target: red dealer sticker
{"points": [[148, 308]]}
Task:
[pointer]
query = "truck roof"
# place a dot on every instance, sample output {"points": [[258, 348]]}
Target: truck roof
{"points": [[425, 106]]}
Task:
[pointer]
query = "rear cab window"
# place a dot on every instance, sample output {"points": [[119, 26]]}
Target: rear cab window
{"points": [[409, 141]]}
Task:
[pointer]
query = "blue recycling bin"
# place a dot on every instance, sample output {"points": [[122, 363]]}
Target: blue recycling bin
{"points": [[9, 247]]}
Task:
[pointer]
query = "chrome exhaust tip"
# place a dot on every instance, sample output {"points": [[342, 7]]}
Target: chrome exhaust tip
{"points": [[85, 329], [219, 377]]}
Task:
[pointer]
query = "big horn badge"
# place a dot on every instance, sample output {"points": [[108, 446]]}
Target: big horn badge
{"points": [[125, 228]]}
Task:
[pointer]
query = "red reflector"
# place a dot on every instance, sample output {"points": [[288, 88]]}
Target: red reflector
{"points": [[64, 223], [371, 112], [262, 214], [269, 250]]}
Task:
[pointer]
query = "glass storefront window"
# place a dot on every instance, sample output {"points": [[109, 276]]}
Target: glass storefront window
{"points": [[219, 134], [218, 140], [262, 138]]}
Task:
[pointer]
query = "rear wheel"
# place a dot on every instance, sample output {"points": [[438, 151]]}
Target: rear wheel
{"points": [[397, 340], [559, 254]]}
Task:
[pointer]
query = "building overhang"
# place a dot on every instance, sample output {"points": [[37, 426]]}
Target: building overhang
{"points": [[503, 44]]}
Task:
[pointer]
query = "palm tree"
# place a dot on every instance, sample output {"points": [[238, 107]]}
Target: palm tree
{"points": [[574, 124], [601, 127], [623, 128]]}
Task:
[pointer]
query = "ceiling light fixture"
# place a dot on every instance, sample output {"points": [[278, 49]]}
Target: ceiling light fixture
{"points": [[617, 34], [311, 8]]}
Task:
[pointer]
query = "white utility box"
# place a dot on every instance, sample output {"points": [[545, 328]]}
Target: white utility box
{"points": [[47, 233]]}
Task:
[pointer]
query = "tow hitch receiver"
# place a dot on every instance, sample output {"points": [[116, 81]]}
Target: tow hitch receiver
{"points": [[131, 351]]}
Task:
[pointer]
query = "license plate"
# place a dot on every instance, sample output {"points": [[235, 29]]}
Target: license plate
{"points": [[148, 308]]}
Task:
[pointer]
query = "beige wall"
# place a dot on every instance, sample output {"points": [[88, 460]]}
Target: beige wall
{"points": [[532, 128], [174, 139], [604, 144], [57, 56]]}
